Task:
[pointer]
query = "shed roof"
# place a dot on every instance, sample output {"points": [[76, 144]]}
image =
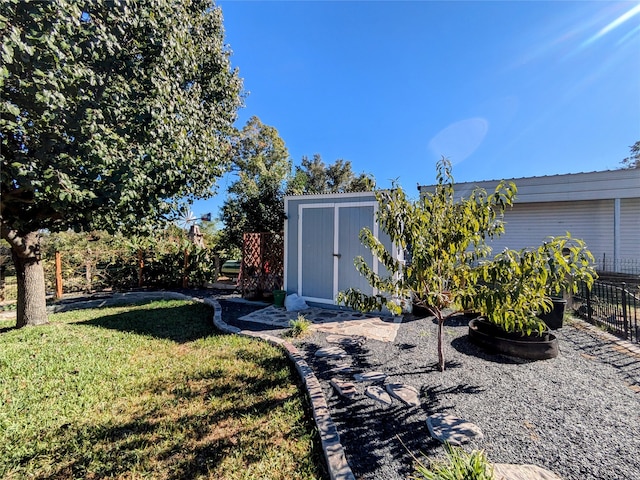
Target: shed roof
{"points": [[609, 184]]}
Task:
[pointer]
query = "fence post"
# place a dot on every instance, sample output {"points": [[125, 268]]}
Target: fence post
{"points": [[624, 310], [87, 276], [2, 282], [588, 302], [58, 275], [185, 277], [140, 267]]}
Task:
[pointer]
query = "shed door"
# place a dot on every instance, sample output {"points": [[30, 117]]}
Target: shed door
{"points": [[328, 244], [316, 251], [350, 221]]}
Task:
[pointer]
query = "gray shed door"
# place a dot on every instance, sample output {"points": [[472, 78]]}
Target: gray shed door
{"points": [[317, 252], [328, 243]]}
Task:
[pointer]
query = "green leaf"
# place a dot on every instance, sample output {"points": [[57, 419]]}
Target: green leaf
{"points": [[12, 109]]}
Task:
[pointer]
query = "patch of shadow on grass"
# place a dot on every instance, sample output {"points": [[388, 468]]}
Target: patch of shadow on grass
{"points": [[161, 442], [184, 323]]}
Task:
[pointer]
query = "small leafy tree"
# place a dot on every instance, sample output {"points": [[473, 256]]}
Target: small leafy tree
{"points": [[444, 238], [449, 269]]}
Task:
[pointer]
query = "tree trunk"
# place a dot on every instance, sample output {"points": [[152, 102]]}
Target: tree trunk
{"points": [[32, 306], [440, 344]]}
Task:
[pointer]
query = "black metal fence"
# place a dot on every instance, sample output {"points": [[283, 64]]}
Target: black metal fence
{"points": [[614, 307], [630, 266]]}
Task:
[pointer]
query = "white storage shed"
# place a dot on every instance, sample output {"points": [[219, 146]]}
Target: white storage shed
{"points": [[322, 241]]}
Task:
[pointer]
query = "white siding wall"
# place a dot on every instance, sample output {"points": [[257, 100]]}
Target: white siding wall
{"points": [[581, 203], [630, 229], [529, 224]]}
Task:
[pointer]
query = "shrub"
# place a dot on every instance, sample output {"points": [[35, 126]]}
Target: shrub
{"points": [[459, 465], [299, 326]]}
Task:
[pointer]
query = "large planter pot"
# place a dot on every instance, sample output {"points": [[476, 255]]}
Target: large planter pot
{"points": [[493, 338], [554, 318]]}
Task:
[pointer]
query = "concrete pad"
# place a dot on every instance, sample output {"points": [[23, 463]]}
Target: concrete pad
{"points": [[345, 323]]}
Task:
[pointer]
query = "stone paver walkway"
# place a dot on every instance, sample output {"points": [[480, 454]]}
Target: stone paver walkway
{"points": [[337, 322]]}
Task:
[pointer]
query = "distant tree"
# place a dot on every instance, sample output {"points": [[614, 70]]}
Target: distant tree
{"points": [[255, 200], [110, 112], [633, 160], [314, 176]]}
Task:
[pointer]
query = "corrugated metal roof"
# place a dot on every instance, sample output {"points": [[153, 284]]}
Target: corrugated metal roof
{"points": [[608, 184]]}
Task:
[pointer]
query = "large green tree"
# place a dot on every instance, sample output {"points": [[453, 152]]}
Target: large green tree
{"points": [[255, 200], [314, 176], [111, 110]]}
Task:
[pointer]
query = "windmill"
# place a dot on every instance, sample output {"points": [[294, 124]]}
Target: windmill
{"points": [[186, 219]]}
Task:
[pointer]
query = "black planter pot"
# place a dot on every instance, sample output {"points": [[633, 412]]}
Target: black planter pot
{"points": [[493, 338], [555, 317]]}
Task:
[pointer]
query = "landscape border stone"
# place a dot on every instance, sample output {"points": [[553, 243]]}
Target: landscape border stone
{"points": [[333, 450]]}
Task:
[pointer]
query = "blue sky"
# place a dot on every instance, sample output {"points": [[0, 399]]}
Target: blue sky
{"points": [[504, 89]]}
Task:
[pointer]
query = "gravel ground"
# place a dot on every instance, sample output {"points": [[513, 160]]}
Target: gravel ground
{"points": [[577, 415]]}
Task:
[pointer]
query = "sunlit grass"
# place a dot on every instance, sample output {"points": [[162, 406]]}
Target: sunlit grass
{"points": [[9, 289], [149, 391]]}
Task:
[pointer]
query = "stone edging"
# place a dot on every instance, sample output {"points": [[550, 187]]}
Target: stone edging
{"points": [[631, 347], [333, 451]]}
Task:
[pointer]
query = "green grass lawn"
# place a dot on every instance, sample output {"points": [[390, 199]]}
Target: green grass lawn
{"points": [[149, 391]]}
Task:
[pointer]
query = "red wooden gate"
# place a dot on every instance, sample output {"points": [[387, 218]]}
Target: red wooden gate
{"points": [[262, 268]]}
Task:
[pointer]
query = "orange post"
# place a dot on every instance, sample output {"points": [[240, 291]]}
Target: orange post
{"points": [[58, 275], [185, 277], [140, 267]]}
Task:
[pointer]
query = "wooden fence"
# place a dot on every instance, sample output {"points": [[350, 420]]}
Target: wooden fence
{"points": [[122, 269]]}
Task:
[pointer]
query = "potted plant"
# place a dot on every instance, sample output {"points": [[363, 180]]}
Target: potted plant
{"points": [[515, 286], [568, 264]]}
